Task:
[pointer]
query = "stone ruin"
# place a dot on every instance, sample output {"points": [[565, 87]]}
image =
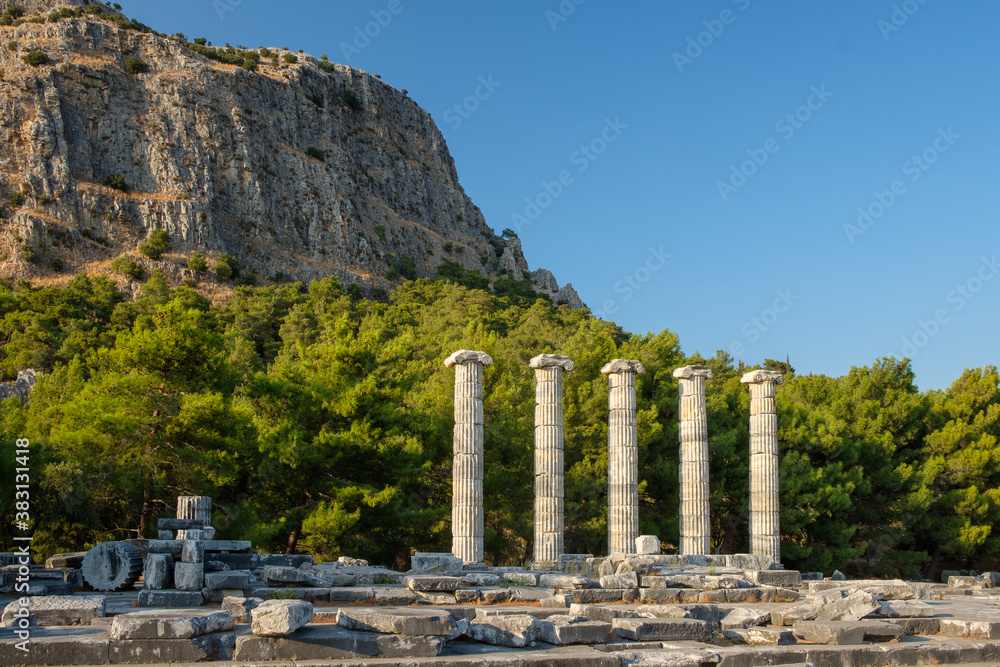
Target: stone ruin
{"points": [[202, 599]]}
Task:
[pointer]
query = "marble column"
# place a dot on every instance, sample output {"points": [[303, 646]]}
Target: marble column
{"points": [[467, 465], [695, 516], [195, 508], [549, 462], [764, 532], [623, 456]]}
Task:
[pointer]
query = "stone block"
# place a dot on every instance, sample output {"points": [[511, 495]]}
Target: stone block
{"points": [[216, 596], [58, 610], [598, 596], [562, 582], [435, 562], [970, 628], [228, 545], [494, 595], [163, 624], [529, 593], [434, 598], [662, 629], [239, 607], [660, 595], [785, 578], [847, 632], [157, 546], [741, 617], [351, 594], [233, 579], [564, 629], [334, 579], [962, 582], [193, 551], [170, 599], [179, 524], [830, 632], [164, 534], [557, 601], [520, 578], [89, 647], [917, 626], [432, 583], [755, 636], [218, 646], [478, 579], [647, 544], [513, 630], [332, 642], [189, 576], [279, 618], [890, 589], [905, 609], [854, 606], [394, 596], [72, 560], [292, 576], [397, 621], [624, 580], [158, 573], [666, 611], [637, 564]]}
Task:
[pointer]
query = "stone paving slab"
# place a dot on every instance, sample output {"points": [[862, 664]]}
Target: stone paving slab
{"points": [[324, 642]]}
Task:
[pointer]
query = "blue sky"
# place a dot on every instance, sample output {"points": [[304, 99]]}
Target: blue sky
{"points": [[816, 180]]}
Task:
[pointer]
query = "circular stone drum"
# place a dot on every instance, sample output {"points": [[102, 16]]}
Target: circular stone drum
{"points": [[112, 566]]}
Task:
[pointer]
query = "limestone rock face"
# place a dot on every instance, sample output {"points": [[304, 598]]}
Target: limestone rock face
{"points": [[293, 170]]}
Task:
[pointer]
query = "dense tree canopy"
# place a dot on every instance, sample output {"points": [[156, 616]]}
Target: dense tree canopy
{"points": [[320, 421]]}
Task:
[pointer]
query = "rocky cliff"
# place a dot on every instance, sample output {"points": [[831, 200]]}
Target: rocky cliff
{"points": [[296, 166]]}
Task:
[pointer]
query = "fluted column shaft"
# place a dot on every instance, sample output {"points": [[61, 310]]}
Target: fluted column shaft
{"points": [[623, 456], [549, 462], [764, 504], [195, 508], [695, 516], [467, 465]]}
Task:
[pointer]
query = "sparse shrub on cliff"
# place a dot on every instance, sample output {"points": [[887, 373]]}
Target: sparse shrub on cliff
{"points": [[227, 268], [36, 58], [158, 243], [28, 254], [402, 267], [12, 45], [135, 65], [251, 60], [351, 99], [57, 265], [126, 266], [13, 13], [326, 66], [201, 41], [316, 154], [315, 99], [16, 200], [197, 263], [291, 58], [380, 232], [116, 181]]}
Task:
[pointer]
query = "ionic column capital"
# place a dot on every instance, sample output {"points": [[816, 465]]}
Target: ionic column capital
{"points": [[688, 372], [616, 366], [762, 376], [465, 356], [550, 360]]}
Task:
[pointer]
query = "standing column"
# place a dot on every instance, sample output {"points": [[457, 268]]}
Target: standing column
{"points": [[467, 467], [623, 456], [195, 508], [764, 533], [695, 514], [549, 457]]}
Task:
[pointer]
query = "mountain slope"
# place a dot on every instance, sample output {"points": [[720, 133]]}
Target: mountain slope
{"points": [[300, 169]]}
